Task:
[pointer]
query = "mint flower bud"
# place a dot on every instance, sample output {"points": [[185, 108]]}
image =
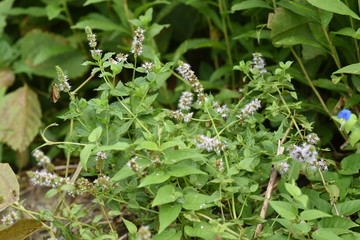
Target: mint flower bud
{"points": [[209, 144], [91, 37], [121, 57], [41, 158], [10, 218], [250, 109], [143, 233], [63, 79], [96, 54], [138, 41], [149, 66], [282, 167], [185, 100], [259, 64]]}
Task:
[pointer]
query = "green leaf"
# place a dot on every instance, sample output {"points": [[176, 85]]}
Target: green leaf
{"points": [[36, 45], [20, 113], [183, 170], [288, 29], [355, 135], [173, 156], [196, 44], [335, 6], [337, 222], [350, 69], [9, 185], [123, 173], [154, 178], [349, 124], [100, 22], [51, 193], [284, 209], [21, 229], [95, 134], [328, 84], [120, 146], [88, 2], [130, 226], [166, 194], [313, 214], [349, 207], [333, 191], [85, 154], [350, 165], [195, 201], [53, 10], [250, 4], [148, 145], [325, 234], [167, 214], [168, 234], [294, 190]]}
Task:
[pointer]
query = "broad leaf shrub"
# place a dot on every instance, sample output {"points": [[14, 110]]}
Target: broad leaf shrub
{"points": [[238, 164]]}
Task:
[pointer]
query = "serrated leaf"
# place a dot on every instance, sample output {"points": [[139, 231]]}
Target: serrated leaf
{"points": [[9, 185], [313, 214], [21, 229], [337, 222], [284, 209], [325, 234], [85, 154], [167, 214], [166, 194], [95, 134], [154, 178], [20, 113]]}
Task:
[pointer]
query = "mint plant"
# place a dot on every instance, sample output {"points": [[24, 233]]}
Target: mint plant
{"points": [[233, 164]]}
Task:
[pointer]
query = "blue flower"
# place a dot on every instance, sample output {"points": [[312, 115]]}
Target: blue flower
{"points": [[345, 114]]}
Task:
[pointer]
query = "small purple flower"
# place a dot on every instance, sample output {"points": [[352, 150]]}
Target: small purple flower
{"points": [[345, 114]]}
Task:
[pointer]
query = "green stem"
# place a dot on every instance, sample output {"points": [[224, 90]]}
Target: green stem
{"points": [[315, 90], [222, 8]]}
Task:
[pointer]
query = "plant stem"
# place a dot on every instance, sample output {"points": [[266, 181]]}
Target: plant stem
{"points": [[315, 90], [271, 184], [222, 9]]}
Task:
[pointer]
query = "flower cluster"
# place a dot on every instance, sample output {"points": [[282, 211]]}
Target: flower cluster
{"points": [[133, 165], [96, 54], [185, 70], [312, 138], [137, 42], [222, 110], [104, 182], [10, 218], [143, 233], [121, 57], [91, 37], [180, 116], [41, 158], [282, 167], [219, 164], [149, 66], [209, 144], [100, 161], [250, 109], [63, 79], [185, 100], [46, 179], [307, 153], [259, 64]]}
